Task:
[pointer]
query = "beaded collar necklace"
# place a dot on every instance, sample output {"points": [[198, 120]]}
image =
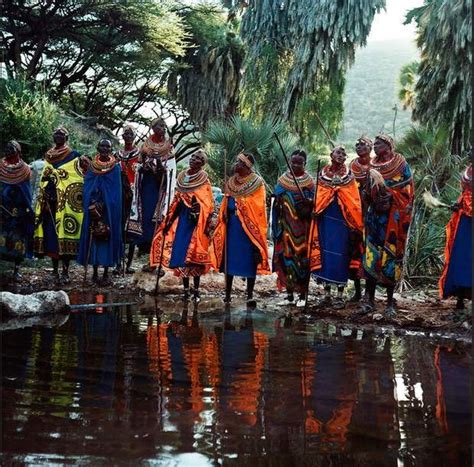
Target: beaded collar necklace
{"points": [[390, 168], [186, 182], [124, 156], [242, 186], [359, 170], [341, 177], [11, 174], [100, 167], [164, 150], [288, 183], [55, 155]]}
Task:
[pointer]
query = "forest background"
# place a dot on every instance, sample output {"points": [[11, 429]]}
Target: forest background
{"points": [[230, 73]]}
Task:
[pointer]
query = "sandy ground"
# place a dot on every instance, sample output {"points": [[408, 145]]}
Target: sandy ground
{"points": [[417, 309]]}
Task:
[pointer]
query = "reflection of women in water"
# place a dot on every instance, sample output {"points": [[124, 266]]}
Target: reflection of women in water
{"points": [[329, 392], [243, 359]]}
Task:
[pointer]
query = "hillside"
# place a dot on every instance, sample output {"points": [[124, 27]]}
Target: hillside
{"points": [[371, 90]]}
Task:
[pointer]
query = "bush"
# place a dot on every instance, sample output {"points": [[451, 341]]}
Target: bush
{"points": [[28, 116]]}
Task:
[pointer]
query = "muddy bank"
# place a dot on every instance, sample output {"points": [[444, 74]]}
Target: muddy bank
{"points": [[417, 309]]}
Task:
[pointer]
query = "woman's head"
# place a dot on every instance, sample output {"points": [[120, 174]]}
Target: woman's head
{"points": [[159, 127], [383, 145], [197, 161], [12, 150], [60, 136], [244, 164], [338, 155], [364, 146], [128, 134], [298, 162]]}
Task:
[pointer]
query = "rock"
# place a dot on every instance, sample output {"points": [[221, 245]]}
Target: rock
{"points": [[48, 301], [377, 316]]}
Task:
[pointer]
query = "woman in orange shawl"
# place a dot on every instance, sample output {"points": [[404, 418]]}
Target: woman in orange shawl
{"points": [[336, 235], [456, 278], [390, 202], [185, 230], [241, 232]]}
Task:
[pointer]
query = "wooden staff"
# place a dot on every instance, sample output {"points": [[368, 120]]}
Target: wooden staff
{"points": [[288, 164], [157, 285], [310, 250], [225, 220]]}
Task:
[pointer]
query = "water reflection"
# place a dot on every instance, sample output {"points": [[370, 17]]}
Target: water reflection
{"points": [[126, 385]]}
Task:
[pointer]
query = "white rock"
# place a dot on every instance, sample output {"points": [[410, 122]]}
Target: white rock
{"points": [[377, 317], [48, 301]]}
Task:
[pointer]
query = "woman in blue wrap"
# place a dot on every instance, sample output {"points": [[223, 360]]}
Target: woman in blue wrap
{"points": [[16, 214], [101, 236]]}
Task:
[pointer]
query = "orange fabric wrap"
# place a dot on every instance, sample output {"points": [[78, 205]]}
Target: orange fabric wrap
{"points": [[465, 200], [251, 211], [198, 249], [348, 199]]}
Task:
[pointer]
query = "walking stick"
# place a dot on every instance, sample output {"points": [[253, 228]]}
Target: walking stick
{"points": [[225, 222], [288, 164], [160, 266], [310, 250]]}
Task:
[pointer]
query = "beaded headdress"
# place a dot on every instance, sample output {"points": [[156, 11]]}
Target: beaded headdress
{"points": [[387, 139], [61, 129], [243, 158], [365, 140]]}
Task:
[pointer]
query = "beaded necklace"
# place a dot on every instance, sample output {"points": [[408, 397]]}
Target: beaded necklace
{"points": [[341, 177], [390, 168], [288, 183], [100, 167], [359, 170], [15, 173], [124, 156], [164, 150], [186, 183], [238, 186], [55, 155]]}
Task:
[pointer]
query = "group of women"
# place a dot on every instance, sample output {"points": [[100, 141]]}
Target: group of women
{"points": [[349, 223]]}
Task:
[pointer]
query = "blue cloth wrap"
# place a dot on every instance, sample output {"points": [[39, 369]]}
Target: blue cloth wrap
{"points": [[150, 193], [334, 240], [107, 189], [182, 238], [240, 250]]}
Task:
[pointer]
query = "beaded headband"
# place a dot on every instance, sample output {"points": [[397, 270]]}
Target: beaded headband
{"points": [[16, 145], [128, 128], [202, 154], [365, 140], [61, 129], [158, 120], [243, 158], [386, 139]]}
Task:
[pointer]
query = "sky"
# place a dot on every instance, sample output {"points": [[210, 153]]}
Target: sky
{"points": [[388, 24]]}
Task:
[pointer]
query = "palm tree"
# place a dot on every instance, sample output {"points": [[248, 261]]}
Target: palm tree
{"points": [[227, 138]]}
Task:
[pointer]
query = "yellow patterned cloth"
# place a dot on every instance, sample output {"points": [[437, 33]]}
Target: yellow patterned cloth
{"points": [[69, 183]]}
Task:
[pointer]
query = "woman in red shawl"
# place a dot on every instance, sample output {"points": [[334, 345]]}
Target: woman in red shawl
{"points": [[456, 278]]}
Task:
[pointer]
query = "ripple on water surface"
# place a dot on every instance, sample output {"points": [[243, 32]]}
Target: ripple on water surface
{"points": [[125, 386]]}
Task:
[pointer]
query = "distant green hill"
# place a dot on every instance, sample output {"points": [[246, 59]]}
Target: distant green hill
{"points": [[371, 90]]}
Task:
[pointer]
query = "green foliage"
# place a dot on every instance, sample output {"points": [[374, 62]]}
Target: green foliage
{"points": [[296, 48], [407, 82], [99, 58], [443, 90], [226, 139], [205, 81], [27, 115], [436, 171]]}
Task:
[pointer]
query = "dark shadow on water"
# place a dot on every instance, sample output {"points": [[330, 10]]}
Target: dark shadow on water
{"points": [[122, 385]]}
